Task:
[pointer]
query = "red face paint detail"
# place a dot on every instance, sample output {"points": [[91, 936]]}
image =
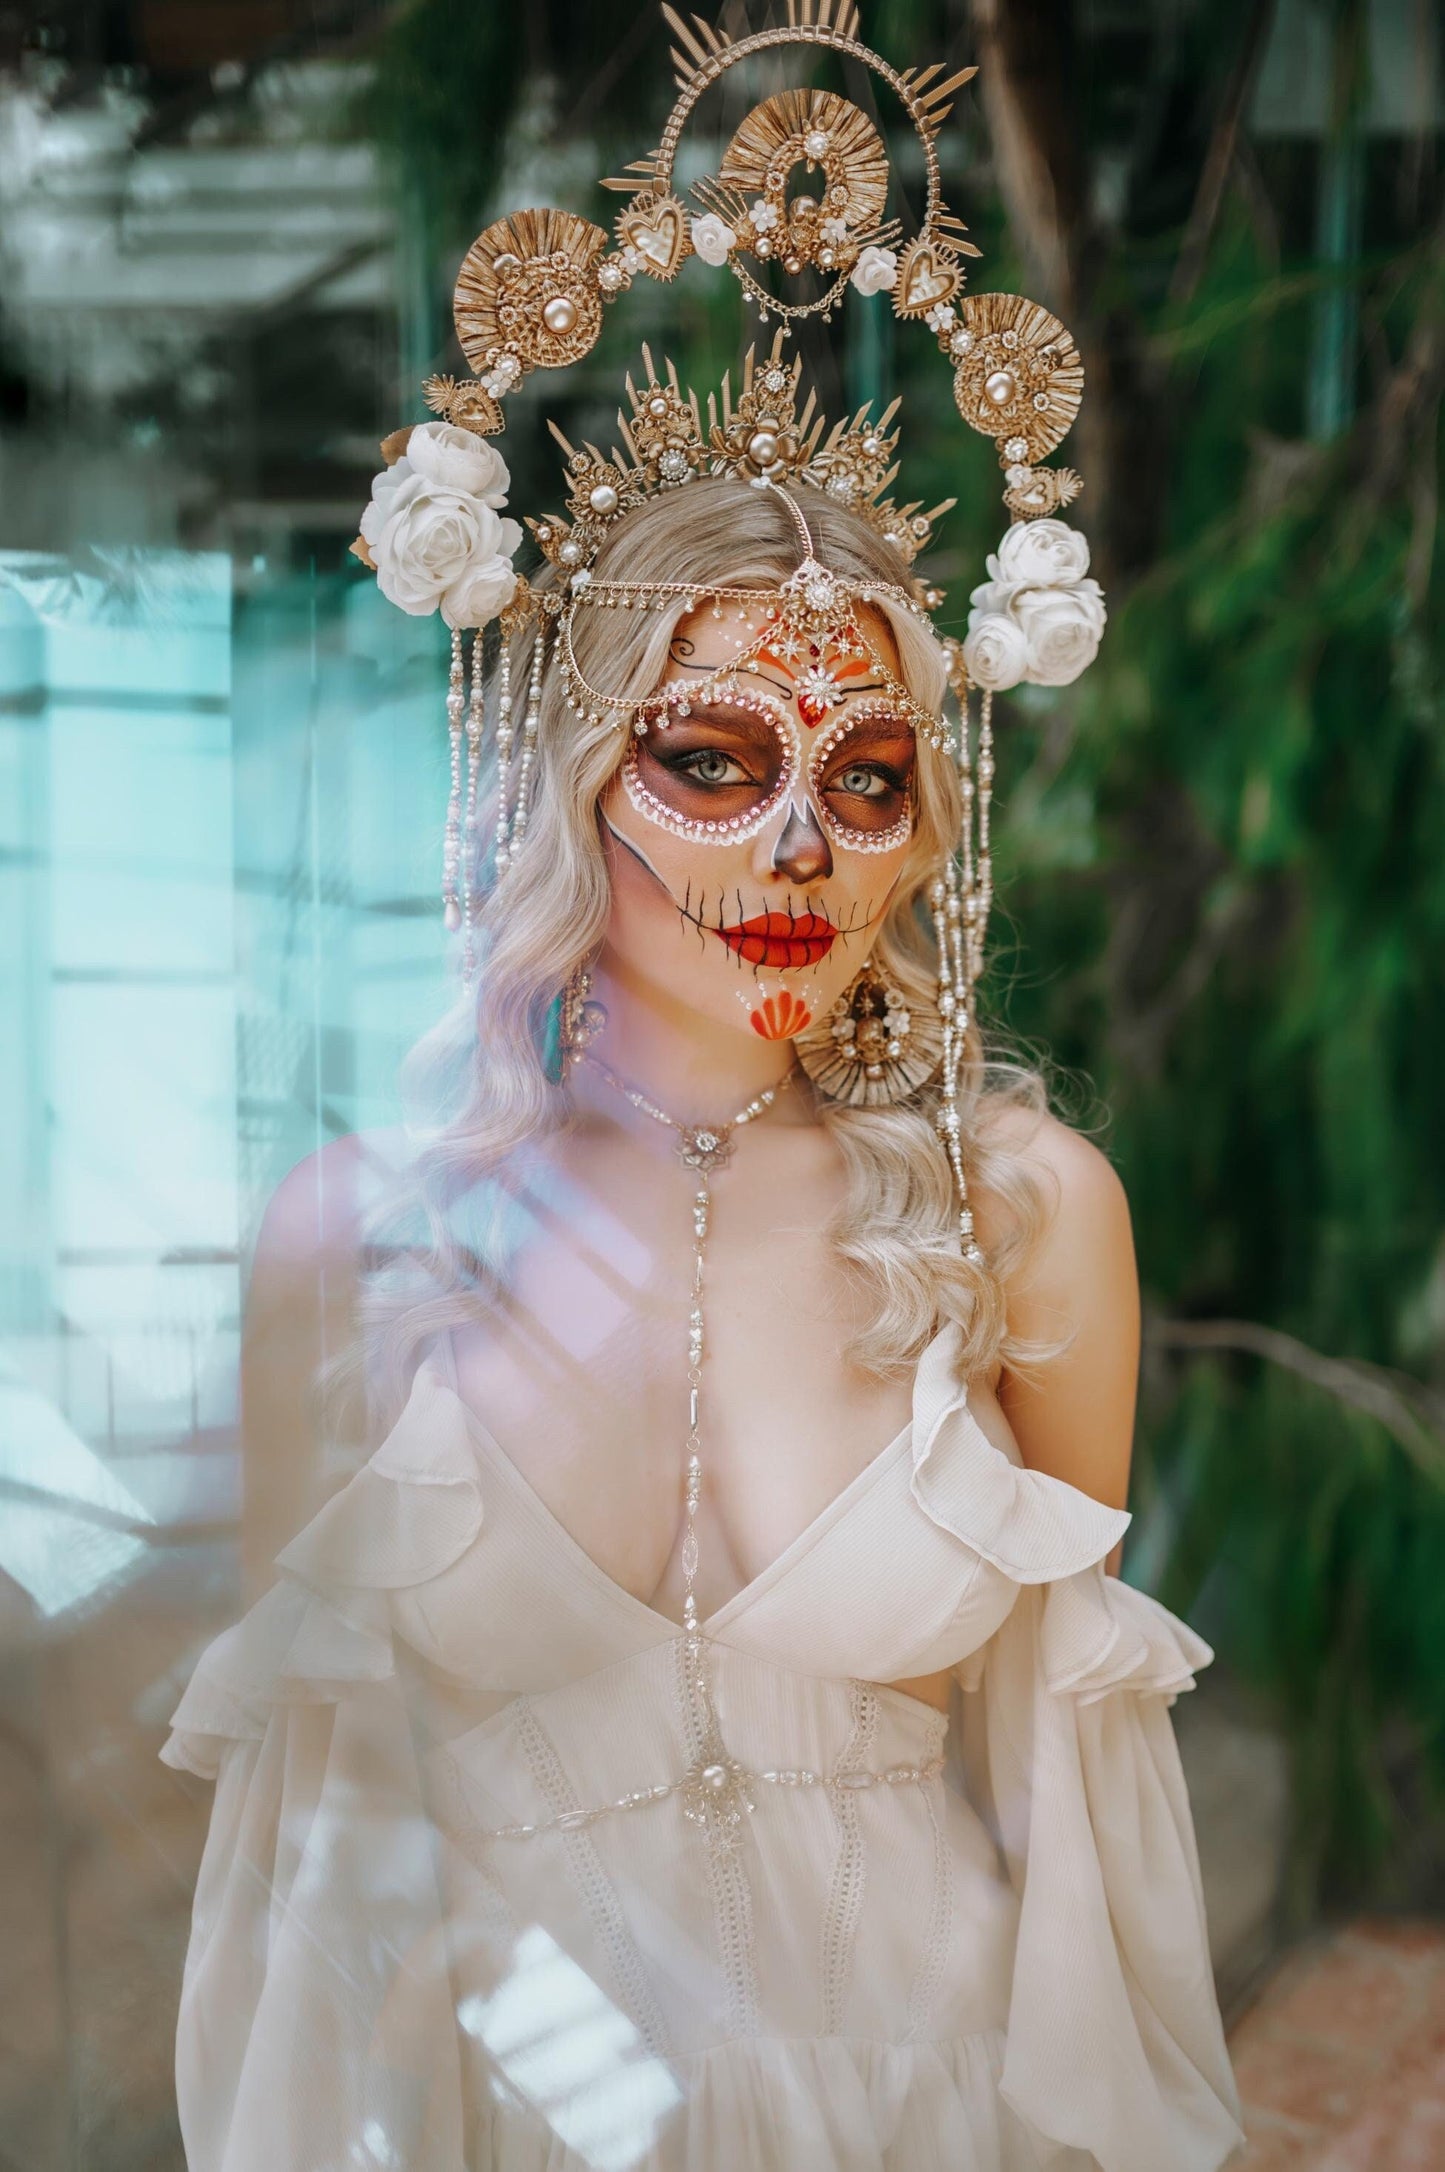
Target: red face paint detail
{"points": [[811, 709], [779, 1017], [781, 940]]}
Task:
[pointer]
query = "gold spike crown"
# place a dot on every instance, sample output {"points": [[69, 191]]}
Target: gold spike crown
{"points": [[534, 287], [761, 437]]}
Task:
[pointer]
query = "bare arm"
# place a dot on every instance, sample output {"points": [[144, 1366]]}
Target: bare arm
{"points": [[1075, 1418], [300, 1314]]}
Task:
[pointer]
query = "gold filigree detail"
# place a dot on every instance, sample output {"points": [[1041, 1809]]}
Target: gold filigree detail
{"points": [[464, 403], [1034, 492], [855, 466], [929, 277], [1018, 376], [653, 237], [664, 433], [826, 135], [527, 296]]}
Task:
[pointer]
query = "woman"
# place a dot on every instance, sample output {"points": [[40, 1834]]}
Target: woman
{"points": [[707, 1732]]}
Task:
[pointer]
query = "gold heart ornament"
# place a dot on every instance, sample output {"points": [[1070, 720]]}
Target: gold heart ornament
{"points": [[656, 227], [925, 278]]}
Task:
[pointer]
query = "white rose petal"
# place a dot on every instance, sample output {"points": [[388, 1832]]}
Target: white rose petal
{"points": [[876, 268], [1061, 627], [995, 651], [994, 595], [488, 584], [459, 460], [1041, 554], [712, 238], [384, 489]]}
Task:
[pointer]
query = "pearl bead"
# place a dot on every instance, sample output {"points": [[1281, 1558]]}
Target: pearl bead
{"points": [[715, 1776], [603, 499], [560, 314], [763, 447], [999, 387], [570, 553]]}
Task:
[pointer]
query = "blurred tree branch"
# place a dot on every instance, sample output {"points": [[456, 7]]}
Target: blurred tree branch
{"points": [[1409, 1413]]}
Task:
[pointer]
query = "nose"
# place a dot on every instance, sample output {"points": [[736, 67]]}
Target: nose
{"points": [[802, 852]]}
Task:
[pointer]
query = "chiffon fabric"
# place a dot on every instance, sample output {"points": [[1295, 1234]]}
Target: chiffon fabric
{"points": [[1000, 1965]]}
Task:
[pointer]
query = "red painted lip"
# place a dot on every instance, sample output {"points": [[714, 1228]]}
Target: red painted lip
{"points": [[781, 940]]}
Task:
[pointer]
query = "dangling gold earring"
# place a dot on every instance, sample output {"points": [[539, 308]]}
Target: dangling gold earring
{"points": [[874, 1047]]}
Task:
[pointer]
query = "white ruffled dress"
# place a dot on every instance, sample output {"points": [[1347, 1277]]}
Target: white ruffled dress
{"points": [[996, 1965]]}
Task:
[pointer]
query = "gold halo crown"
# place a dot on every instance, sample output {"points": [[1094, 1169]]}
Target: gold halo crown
{"points": [[533, 288]]}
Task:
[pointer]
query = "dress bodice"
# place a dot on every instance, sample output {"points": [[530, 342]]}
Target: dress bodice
{"points": [[452, 1750]]}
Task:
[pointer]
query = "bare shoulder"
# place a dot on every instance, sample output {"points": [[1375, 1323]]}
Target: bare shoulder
{"points": [[319, 1209], [1076, 1295], [1086, 1225]]}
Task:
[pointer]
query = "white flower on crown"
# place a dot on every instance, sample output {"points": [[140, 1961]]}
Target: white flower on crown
{"points": [[712, 238], [875, 269], [433, 528], [834, 231], [1041, 553], [764, 216], [1037, 617], [1063, 627], [996, 651], [940, 317]]}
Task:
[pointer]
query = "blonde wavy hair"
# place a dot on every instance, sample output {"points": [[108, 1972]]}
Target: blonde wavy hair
{"points": [[478, 1086]]}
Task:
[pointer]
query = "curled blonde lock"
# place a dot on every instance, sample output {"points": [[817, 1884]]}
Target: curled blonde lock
{"points": [[477, 1085]]}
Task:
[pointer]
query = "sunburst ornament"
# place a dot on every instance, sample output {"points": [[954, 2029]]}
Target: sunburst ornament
{"points": [[527, 296], [872, 1049]]}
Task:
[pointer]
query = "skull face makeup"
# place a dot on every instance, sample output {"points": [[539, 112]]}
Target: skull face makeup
{"points": [[759, 825]]}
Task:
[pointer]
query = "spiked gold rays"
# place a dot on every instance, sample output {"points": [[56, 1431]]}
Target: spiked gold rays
{"points": [[700, 47]]}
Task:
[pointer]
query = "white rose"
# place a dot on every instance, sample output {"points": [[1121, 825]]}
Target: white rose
{"points": [[459, 460], [1041, 554], [430, 543], [874, 269], [995, 651], [712, 238], [1061, 627], [489, 582]]}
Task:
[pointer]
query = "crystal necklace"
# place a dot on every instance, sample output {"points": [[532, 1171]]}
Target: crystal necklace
{"points": [[715, 1791]]}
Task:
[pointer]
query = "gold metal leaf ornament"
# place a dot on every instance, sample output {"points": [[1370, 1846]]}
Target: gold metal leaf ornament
{"points": [[827, 219], [928, 278], [654, 230], [1018, 377], [527, 295]]}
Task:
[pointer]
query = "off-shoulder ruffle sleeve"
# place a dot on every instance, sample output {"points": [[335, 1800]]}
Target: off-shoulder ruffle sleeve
{"points": [[1114, 2042], [316, 2022]]}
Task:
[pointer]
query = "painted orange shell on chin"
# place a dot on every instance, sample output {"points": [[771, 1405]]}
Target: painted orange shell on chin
{"points": [[779, 1017]]}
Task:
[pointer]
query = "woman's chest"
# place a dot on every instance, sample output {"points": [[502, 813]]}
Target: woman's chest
{"points": [[581, 1376]]}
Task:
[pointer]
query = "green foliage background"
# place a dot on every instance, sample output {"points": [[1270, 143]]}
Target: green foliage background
{"points": [[1222, 854]]}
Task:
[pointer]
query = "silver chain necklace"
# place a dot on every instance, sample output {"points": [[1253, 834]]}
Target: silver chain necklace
{"points": [[715, 1791]]}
